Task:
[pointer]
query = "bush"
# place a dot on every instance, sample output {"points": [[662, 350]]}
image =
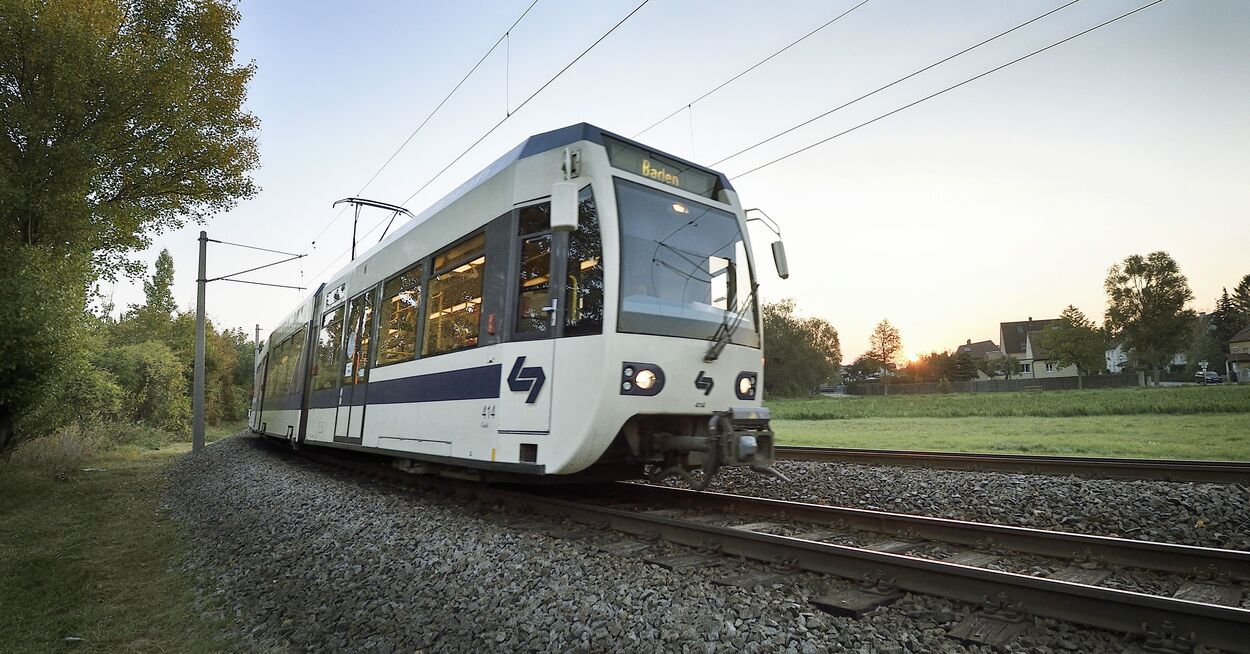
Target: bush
{"points": [[153, 381], [61, 453], [80, 393]]}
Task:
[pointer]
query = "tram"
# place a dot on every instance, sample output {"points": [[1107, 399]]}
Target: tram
{"points": [[583, 308]]}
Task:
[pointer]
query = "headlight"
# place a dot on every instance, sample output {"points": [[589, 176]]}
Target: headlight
{"points": [[745, 388], [641, 378], [645, 380]]}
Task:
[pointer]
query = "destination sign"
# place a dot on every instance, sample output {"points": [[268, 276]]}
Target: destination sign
{"points": [[662, 169]]}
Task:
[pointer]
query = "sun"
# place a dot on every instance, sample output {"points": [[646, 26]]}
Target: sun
{"points": [[913, 358]]}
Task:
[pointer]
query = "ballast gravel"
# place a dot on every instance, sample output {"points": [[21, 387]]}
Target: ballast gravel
{"points": [[1206, 515], [300, 557]]}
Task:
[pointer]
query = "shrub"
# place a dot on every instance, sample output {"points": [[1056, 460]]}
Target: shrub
{"points": [[62, 453], [153, 381]]}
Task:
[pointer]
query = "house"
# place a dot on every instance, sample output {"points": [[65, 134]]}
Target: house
{"points": [[978, 350], [1239, 356], [1019, 340]]}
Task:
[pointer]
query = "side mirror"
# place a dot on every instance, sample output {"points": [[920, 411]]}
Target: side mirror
{"points": [[563, 207], [779, 259]]}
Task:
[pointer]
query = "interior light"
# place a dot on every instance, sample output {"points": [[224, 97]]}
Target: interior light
{"points": [[680, 208], [645, 379]]}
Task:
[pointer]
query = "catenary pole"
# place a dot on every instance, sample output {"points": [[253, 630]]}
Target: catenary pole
{"points": [[197, 393]]}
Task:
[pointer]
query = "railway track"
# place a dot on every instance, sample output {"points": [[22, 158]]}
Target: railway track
{"points": [[885, 573], [1218, 472]]}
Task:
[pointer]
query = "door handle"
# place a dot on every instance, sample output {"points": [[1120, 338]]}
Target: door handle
{"points": [[551, 311]]}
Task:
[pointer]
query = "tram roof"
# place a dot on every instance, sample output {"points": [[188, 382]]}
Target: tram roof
{"points": [[536, 144], [539, 143]]}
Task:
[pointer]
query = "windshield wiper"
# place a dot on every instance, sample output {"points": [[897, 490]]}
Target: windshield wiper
{"points": [[728, 326]]}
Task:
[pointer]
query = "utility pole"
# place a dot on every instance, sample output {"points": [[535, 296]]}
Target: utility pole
{"points": [[197, 393], [256, 354], [197, 387]]}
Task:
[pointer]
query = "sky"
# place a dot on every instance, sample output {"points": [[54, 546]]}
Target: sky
{"points": [[1005, 198]]}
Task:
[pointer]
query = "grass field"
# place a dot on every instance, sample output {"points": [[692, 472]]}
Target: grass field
{"points": [[1181, 423], [1103, 402], [87, 555]]}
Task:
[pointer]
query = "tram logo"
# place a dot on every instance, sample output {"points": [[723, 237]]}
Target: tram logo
{"points": [[526, 379], [703, 383]]}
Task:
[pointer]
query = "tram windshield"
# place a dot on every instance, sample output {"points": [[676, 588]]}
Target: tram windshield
{"points": [[684, 268]]}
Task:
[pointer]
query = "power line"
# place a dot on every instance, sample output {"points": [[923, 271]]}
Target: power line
{"points": [[526, 101], [949, 88], [495, 127], [753, 67], [501, 39], [403, 145], [897, 81]]}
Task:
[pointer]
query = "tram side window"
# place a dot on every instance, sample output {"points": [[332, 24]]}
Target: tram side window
{"points": [[453, 305], [296, 344], [278, 370], [584, 286], [328, 347], [271, 373], [535, 272], [397, 332], [356, 354]]}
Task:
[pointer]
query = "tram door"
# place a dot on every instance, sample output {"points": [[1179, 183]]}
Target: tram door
{"points": [[349, 423], [527, 402]]}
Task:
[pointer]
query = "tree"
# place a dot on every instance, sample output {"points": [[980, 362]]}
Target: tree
{"points": [[1146, 298], [1241, 302], [963, 367], [153, 319], [1210, 335], [999, 364], [119, 120], [885, 344], [931, 367], [799, 353], [864, 367], [1074, 340]]}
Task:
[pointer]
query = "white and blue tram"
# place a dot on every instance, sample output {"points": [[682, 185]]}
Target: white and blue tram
{"points": [[583, 307]]}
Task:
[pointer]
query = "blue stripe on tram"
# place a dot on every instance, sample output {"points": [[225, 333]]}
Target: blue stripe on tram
{"points": [[481, 383]]}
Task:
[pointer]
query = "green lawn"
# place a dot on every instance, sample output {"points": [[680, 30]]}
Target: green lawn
{"points": [[89, 557], [1220, 436], [1228, 398], [1180, 423]]}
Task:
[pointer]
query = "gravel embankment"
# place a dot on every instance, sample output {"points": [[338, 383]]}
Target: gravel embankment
{"points": [[1208, 515], [303, 558]]}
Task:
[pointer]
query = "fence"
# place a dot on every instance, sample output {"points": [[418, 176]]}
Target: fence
{"points": [[996, 385]]}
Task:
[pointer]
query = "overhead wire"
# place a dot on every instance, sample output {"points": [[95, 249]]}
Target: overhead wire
{"points": [[526, 101], [751, 68], [426, 120], [949, 88], [898, 81], [496, 126]]}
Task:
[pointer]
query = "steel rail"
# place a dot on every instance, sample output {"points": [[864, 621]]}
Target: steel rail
{"points": [[1117, 610], [1150, 555], [1220, 472]]}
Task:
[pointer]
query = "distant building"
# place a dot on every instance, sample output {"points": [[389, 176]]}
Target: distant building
{"points": [[1118, 360], [1239, 356], [978, 350], [1019, 340]]}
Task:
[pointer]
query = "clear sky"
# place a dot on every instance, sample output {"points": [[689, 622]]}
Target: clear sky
{"points": [[1003, 199]]}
